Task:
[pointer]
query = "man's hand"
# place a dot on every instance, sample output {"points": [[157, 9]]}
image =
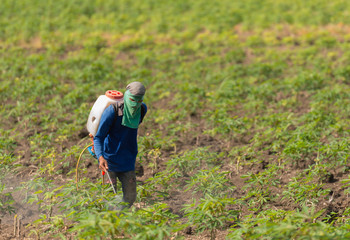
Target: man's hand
{"points": [[103, 164]]}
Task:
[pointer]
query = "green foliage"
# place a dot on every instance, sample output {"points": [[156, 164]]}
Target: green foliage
{"points": [[190, 161], [6, 201], [346, 185], [304, 189], [144, 224], [302, 224], [157, 187], [211, 213], [210, 182], [246, 99], [259, 186]]}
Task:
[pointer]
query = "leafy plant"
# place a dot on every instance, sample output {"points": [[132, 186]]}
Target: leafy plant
{"points": [[305, 189], [145, 224], [302, 224], [210, 182], [259, 186], [6, 201], [211, 213], [190, 161]]}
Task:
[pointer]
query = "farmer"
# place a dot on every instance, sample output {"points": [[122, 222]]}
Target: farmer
{"points": [[116, 140]]}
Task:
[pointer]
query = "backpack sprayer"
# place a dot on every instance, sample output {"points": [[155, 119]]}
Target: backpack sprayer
{"points": [[102, 102]]}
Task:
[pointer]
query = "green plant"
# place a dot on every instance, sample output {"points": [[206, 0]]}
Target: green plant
{"points": [[259, 186], [305, 189], [210, 182], [302, 224], [190, 161], [211, 213], [154, 222], [6, 201], [157, 186]]}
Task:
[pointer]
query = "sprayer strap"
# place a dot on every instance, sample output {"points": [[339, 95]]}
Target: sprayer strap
{"points": [[118, 111], [143, 112]]}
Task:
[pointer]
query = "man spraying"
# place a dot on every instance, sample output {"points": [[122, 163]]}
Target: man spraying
{"points": [[115, 142]]}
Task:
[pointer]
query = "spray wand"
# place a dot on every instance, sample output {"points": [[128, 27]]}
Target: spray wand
{"points": [[110, 180]]}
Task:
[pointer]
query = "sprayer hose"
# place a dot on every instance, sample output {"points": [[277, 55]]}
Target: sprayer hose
{"points": [[76, 169]]}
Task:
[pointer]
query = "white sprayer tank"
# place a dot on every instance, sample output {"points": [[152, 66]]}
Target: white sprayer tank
{"points": [[102, 102]]}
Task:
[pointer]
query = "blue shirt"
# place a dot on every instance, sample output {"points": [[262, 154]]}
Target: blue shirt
{"points": [[115, 142]]}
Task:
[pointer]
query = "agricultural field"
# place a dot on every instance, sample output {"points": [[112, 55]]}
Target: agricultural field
{"points": [[247, 130]]}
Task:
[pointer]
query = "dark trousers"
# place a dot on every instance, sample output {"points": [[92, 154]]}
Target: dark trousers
{"points": [[128, 181]]}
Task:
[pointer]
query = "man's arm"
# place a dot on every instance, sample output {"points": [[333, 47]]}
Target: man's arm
{"points": [[106, 122]]}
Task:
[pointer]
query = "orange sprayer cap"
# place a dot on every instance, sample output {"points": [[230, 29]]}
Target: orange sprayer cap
{"points": [[114, 94]]}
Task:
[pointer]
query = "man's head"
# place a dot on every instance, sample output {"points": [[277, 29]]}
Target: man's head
{"points": [[133, 97], [136, 88]]}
